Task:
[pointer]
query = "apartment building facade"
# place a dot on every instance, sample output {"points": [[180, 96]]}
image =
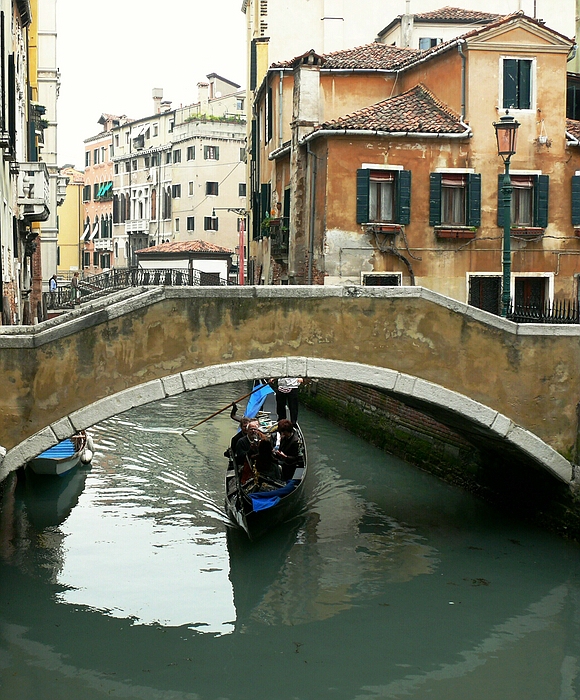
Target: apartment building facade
{"points": [[407, 189], [179, 174]]}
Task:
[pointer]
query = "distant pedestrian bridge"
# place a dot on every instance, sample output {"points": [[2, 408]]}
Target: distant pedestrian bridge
{"points": [[516, 386]]}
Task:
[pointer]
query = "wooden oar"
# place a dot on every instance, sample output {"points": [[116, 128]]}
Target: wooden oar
{"points": [[225, 408]]}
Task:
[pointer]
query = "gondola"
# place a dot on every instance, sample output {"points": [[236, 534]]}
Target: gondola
{"points": [[258, 511]]}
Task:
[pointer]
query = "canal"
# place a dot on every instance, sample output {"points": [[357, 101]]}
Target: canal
{"points": [[124, 580]]}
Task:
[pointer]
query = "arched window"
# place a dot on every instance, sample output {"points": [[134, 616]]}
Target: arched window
{"points": [[115, 209]]}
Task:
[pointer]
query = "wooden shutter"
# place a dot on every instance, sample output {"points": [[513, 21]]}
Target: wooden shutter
{"points": [[217, 152], [474, 199], [541, 190], [524, 84], [363, 176], [434, 199], [576, 200], [404, 197], [265, 198]]}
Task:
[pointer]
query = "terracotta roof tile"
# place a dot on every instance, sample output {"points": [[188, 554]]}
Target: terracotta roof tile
{"points": [[416, 111], [456, 15], [573, 128], [370, 56], [185, 247]]}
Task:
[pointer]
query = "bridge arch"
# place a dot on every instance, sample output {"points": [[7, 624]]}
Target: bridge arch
{"points": [[450, 407]]}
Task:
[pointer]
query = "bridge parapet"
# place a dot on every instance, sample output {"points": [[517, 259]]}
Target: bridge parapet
{"points": [[517, 383]]}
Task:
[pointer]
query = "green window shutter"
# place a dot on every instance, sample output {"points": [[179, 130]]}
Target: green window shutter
{"points": [[474, 199], [217, 152], [404, 197], [510, 83], [363, 177], [434, 199], [500, 218], [576, 200], [524, 84], [541, 200], [265, 197], [253, 65]]}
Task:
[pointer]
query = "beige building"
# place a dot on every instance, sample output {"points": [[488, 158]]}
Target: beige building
{"points": [[179, 174]]}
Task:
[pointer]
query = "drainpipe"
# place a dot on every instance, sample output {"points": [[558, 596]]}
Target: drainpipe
{"points": [[463, 60], [280, 122], [312, 212]]}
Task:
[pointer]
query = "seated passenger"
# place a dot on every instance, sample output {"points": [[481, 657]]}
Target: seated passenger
{"points": [[238, 436], [248, 444], [289, 451], [265, 464]]}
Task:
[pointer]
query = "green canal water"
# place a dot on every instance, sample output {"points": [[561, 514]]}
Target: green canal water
{"points": [[125, 581]]}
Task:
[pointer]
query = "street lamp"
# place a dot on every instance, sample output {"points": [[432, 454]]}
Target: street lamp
{"points": [[506, 134]]}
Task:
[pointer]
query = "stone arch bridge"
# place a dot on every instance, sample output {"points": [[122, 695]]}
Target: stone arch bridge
{"points": [[514, 386]]}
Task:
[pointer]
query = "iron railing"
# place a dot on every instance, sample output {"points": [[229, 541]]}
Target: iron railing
{"points": [[563, 311], [138, 277]]}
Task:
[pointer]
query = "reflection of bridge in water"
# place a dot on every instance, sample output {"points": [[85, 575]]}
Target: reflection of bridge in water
{"points": [[513, 385]]}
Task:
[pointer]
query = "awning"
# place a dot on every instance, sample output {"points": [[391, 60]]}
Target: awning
{"points": [[85, 232], [95, 231], [138, 131]]}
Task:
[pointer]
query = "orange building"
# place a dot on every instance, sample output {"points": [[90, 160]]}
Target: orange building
{"points": [[379, 165]]}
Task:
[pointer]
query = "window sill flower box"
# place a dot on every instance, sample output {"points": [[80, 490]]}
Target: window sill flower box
{"points": [[527, 231], [383, 228], [455, 232]]}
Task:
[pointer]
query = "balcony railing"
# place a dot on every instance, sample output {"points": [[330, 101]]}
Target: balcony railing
{"points": [[135, 225], [34, 191]]}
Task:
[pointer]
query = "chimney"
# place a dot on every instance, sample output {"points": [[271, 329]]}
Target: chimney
{"points": [[157, 97], [203, 97], [165, 106]]}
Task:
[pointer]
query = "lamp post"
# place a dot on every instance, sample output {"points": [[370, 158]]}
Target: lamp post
{"points": [[506, 132]]}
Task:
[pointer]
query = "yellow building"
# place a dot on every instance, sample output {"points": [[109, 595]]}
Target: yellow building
{"points": [[70, 224]]}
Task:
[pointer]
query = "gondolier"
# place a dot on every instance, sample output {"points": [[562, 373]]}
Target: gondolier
{"points": [[287, 395]]}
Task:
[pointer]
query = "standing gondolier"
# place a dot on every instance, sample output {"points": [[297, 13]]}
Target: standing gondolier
{"points": [[287, 395]]}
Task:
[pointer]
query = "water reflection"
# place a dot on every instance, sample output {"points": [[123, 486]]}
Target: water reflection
{"points": [[388, 584]]}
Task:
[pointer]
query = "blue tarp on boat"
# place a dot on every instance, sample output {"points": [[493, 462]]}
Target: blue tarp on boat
{"points": [[256, 400], [60, 451], [268, 499]]}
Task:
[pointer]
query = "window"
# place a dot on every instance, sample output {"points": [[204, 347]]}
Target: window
{"points": [[485, 292], [383, 196], [116, 168], [190, 189], [96, 187], [211, 188], [127, 166], [96, 156], [116, 139], [530, 292], [103, 154], [191, 153], [87, 158], [211, 152], [176, 225], [242, 189], [175, 191], [382, 279], [96, 259], [105, 261], [146, 161], [191, 223], [87, 193], [134, 164], [428, 43], [168, 158], [529, 203], [455, 199], [576, 200], [155, 129], [86, 260], [155, 159], [517, 83], [210, 223], [239, 103], [242, 155], [177, 156]]}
